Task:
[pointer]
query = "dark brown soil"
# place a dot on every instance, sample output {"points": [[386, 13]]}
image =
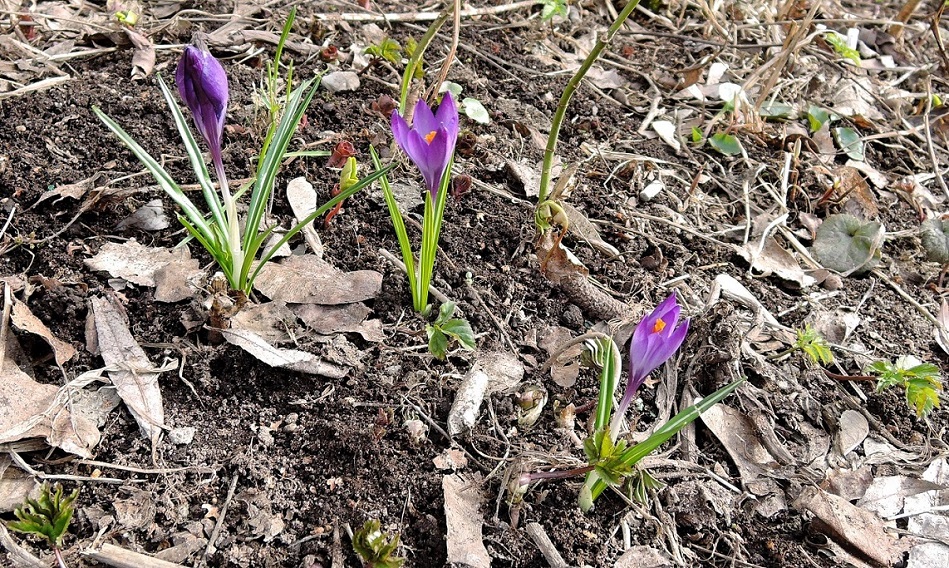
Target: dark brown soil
{"points": [[319, 454]]}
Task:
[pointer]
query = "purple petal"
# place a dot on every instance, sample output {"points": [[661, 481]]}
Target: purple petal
{"points": [[447, 115], [202, 85], [400, 129], [423, 121]]}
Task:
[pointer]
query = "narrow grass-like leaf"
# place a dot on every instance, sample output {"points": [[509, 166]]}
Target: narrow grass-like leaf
{"points": [[398, 224], [296, 106], [632, 455], [161, 176]]}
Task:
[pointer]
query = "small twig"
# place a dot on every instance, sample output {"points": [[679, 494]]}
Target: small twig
{"points": [[455, 33], [546, 546], [220, 522], [144, 471], [5, 321], [119, 557], [844, 378], [46, 476], [929, 140], [423, 16]]}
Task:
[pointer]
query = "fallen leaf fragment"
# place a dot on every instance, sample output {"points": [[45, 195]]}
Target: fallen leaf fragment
{"points": [[854, 528], [302, 199], [926, 522], [170, 271], [269, 320], [306, 279], [755, 463], [143, 58], [582, 228], [291, 359], [32, 410], [15, 485], [463, 522], [772, 258], [24, 320], [148, 217], [887, 494], [492, 372], [642, 556], [348, 318], [135, 378]]}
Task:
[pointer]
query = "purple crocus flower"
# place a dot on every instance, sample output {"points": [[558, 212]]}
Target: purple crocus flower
{"points": [[655, 339], [202, 84], [430, 141]]}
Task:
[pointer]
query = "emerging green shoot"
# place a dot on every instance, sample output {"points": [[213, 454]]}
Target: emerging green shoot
{"points": [[446, 329], [813, 345], [47, 517], [920, 380], [375, 548], [553, 8], [387, 49]]}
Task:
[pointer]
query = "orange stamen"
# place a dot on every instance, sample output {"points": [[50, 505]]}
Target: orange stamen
{"points": [[658, 326], [429, 137]]}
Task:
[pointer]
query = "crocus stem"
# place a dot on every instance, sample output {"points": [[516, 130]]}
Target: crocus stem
{"points": [[233, 223], [431, 230], [568, 91], [59, 557]]}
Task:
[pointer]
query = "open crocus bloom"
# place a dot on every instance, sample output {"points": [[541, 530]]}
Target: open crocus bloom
{"points": [[655, 340], [430, 141], [202, 85]]}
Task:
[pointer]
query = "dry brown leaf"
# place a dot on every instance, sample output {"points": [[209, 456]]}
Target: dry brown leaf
{"points": [[464, 520], [137, 382], [348, 318], [24, 320], [775, 259], [755, 463], [171, 272], [291, 359], [306, 279], [854, 193], [582, 228], [565, 370], [148, 217], [15, 485], [269, 320], [854, 528], [492, 372], [302, 199], [33, 410], [143, 58]]}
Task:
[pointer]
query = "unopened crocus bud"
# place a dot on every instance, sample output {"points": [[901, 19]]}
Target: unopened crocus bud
{"points": [[202, 85]]}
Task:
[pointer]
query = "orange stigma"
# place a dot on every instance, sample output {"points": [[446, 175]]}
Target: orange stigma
{"points": [[658, 326], [429, 137]]}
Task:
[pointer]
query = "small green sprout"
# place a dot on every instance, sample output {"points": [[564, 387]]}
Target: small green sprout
{"points": [[813, 345], [553, 8], [921, 381], [839, 43], [446, 328], [410, 46], [387, 49], [47, 517], [376, 548]]}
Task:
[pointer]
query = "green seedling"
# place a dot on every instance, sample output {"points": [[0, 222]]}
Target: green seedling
{"points": [[375, 548], [446, 329], [553, 8], [47, 517], [726, 144], [471, 107], [839, 43], [921, 381], [813, 345], [387, 49]]}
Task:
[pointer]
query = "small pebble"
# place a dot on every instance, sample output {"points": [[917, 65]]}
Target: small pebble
{"points": [[182, 436]]}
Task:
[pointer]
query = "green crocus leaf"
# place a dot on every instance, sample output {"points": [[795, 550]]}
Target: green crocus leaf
{"points": [[817, 117]]}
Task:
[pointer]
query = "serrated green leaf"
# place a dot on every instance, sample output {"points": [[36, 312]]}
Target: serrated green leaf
{"points": [[474, 110], [921, 395], [553, 8], [839, 43], [850, 142], [437, 342], [726, 144]]}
